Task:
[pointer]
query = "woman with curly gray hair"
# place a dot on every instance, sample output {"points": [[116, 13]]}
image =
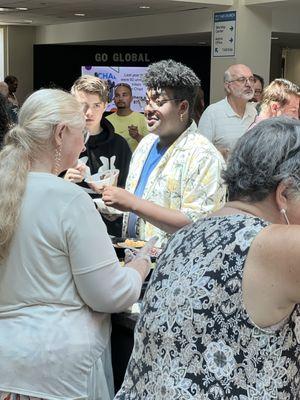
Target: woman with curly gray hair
{"points": [[59, 274], [221, 318]]}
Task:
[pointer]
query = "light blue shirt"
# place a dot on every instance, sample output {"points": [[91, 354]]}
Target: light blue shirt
{"points": [[154, 156]]}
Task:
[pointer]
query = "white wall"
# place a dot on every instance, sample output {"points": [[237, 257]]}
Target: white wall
{"points": [[2, 54], [20, 41], [292, 66], [127, 28], [286, 19]]}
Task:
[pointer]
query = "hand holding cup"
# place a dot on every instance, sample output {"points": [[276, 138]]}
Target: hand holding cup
{"points": [[99, 181]]}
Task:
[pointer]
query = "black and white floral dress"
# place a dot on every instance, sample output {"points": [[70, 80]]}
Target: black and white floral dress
{"points": [[194, 339]]}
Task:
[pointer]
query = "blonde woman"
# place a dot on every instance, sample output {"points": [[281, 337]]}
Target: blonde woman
{"points": [[59, 274]]}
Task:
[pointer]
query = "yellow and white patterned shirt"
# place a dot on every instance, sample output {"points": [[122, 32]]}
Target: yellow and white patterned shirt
{"points": [[187, 178]]}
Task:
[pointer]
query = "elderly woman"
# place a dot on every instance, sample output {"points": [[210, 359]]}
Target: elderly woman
{"points": [[220, 318], [59, 274], [175, 173]]}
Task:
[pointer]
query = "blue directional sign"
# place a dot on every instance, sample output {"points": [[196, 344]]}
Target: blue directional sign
{"points": [[224, 32]]}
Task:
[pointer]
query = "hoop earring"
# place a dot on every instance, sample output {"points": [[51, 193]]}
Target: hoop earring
{"points": [[57, 160], [284, 214]]}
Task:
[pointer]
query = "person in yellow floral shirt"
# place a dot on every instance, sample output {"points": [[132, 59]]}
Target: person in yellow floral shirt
{"points": [[174, 176]]}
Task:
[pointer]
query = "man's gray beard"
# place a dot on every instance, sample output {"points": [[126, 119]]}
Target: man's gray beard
{"points": [[248, 96]]}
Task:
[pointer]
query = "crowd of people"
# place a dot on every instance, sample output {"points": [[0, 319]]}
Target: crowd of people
{"points": [[217, 189], [220, 319]]}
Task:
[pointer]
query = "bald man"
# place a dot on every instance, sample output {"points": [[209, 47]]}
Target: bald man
{"points": [[224, 122]]}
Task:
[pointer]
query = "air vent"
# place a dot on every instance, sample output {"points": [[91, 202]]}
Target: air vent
{"points": [[193, 9]]}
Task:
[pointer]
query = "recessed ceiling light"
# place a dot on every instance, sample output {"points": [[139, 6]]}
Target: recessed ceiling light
{"points": [[21, 8], [28, 21], [6, 9], [79, 15], [144, 7]]}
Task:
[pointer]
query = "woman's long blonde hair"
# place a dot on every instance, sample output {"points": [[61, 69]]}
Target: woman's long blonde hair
{"points": [[27, 141]]}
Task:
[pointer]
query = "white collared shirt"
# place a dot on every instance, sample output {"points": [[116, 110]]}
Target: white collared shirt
{"points": [[223, 126]]}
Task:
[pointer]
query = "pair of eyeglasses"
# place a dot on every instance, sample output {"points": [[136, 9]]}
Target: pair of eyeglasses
{"points": [[86, 135], [156, 104], [243, 80]]}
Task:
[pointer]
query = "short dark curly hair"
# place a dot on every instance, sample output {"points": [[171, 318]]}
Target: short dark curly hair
{"points": [[10, 79], [169, 74]]}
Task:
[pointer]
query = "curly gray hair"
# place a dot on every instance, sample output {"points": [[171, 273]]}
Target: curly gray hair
{"points": [[265, 156]]}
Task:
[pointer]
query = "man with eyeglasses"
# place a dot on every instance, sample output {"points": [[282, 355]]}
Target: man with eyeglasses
{"points": [[224, 122], [127, 123], [258, 89]]}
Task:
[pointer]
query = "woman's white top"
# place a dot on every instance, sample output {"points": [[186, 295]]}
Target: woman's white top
{"points": [[52, 344]]}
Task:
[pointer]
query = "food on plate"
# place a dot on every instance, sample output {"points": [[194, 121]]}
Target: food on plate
{"points": [[132, 243], [121, 243]]}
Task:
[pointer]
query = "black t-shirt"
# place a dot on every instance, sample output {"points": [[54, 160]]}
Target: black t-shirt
{"points": [[105, 149]]}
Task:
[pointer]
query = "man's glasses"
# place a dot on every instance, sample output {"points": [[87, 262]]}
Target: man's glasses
{"points": [[156, 104], [242, 80], [86, 135]]}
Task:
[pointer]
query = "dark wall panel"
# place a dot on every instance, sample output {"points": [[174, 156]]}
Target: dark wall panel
{"points": [[60, 65]]}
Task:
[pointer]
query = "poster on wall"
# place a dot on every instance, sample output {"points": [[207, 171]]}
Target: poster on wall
{"points": [[224, 32], [114, 75]]}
